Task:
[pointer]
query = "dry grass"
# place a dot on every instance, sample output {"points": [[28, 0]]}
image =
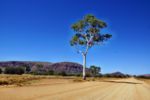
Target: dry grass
{"points": [[20, 80], [17, 79], [145, 80], [26, 79], [79, 79]]}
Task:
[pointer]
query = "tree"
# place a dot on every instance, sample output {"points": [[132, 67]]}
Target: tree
{"points": [[40, 69], [87, 34], [95, 70], [27, 68], [0, 70]]}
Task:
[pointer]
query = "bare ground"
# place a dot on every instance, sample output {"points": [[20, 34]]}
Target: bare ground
{"points": [[65, 89]]}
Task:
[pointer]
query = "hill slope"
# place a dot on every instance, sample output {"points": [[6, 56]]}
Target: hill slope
{"points": [[67, 67]]}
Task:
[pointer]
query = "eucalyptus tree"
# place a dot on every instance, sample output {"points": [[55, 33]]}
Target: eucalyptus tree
{"points": [[0, 70], [95, 70], [88, 34]]}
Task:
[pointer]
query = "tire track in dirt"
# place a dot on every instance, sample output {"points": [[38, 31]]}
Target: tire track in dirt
{"points": [[70, 92], [123, 89]]}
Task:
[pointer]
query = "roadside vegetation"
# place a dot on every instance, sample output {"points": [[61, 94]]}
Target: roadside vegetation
{"points": [[26, 79], [146, 79], [14, 70], [0, 70], [39, 70], [16, 79], [22, 75], [142, 77]]}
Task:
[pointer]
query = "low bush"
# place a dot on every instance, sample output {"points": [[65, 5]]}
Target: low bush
{"points": [[144, 77], [78, 80], [106, 75], [88, 75], [78, 75], [14, 70], [0, 70], [4, 82], [18, 79], [63, 73], [50, 72]]}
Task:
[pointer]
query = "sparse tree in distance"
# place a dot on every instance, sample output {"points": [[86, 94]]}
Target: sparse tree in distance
{"points": [[0, 70], [27, 68], [95, 70], [87, 34]]}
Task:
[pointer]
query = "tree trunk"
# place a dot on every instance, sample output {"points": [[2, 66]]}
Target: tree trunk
{"points": [[84, 66]]}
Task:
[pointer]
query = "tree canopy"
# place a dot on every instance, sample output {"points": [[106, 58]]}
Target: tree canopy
{"points": [[88, 33], [95, 70]]}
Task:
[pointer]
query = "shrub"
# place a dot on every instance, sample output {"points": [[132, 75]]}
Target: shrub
{"points": [[144, 77], [39, 70], [100, 75], [106, 75], [33, 73], [4, 82], [78, 75], [63, 73], [134, 76], [88, 75], [78, 80], [27, 68], [0, 70], [50, 72], [14, 70], [95, 70], [38, 73]]}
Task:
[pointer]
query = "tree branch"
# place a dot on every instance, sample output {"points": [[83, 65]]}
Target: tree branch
{"points": [[79, 51]]}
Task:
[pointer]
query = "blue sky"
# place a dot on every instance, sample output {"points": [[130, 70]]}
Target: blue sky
{"points": [[39, 30]]}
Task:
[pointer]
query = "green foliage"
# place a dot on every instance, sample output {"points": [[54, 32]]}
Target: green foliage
{"points": [[0, 70], [50, 72], [142, 76], [39, 70], [88, 31], [95, 70], [39, 66], [28, 69], [78, 75], [63, 73], [88, 75], [107, 75], [14, 70]]}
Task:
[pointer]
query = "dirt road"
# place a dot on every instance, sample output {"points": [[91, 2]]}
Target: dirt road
{"points": [[124, 89]]}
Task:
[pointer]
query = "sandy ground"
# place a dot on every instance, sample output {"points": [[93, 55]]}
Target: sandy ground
{"points": [[62, 89]]}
